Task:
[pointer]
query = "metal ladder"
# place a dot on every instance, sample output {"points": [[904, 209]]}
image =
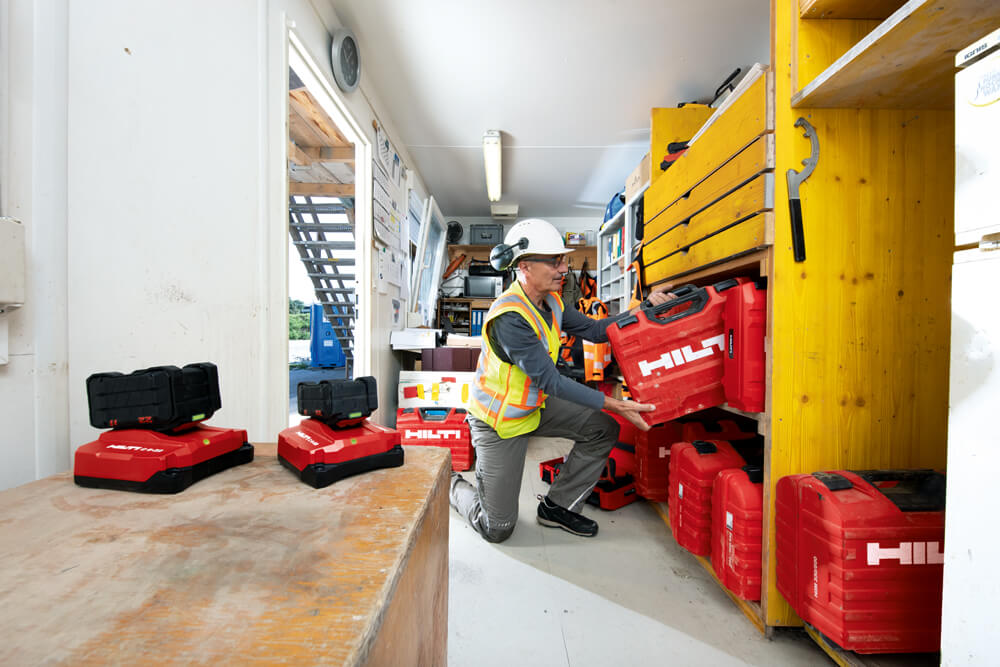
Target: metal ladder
{"points": [[324, 260]]}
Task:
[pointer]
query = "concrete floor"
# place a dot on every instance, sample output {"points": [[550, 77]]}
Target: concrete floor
{"points": [[630, 596]]}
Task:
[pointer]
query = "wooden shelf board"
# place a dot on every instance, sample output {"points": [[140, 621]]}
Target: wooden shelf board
{"points": [[907, 62], [721, 269], [851, 659], [757, 416], [751, 610], [848, 9]]}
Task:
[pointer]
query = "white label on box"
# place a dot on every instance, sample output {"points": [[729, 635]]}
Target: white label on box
{"points": [[328, 343], [680, 490], [729, 520]]}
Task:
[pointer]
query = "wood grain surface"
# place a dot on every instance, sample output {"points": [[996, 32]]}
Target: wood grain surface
{"points": [[249, 566]]}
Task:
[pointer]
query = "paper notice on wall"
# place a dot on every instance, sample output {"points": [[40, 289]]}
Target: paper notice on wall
{"points": [[385, 208]]}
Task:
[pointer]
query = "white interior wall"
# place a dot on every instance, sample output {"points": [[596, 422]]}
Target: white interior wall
{"points": [[33, 390], [149, 147]]}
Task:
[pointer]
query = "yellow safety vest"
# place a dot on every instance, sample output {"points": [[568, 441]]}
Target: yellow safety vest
{"points": [[502, 395]]}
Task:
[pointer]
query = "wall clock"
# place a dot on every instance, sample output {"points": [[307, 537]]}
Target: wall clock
{"points": [[345, 57]]}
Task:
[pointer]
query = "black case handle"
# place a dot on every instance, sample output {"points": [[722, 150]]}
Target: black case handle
{"points": [[426, 414], [698, 297], [755, 473], [704, 447], [915, 490]]}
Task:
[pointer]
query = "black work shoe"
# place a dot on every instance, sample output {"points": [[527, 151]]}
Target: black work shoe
{"points": [[550, 514]]}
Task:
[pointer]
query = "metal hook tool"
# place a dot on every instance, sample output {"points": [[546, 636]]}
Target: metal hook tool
{"points": [[795, 179]]}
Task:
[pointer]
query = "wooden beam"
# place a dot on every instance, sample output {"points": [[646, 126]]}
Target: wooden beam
{"points": [[322, 189], [306, 106], [298, 156], [330, 153]]}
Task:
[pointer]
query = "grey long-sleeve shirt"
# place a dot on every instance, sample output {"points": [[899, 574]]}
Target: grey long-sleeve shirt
{"points": [[517, 343]]}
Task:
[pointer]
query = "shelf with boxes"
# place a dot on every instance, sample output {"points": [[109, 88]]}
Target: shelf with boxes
{"points": [[856, 338]]}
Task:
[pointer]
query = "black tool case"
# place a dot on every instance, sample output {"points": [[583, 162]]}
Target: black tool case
{"points": [[159, 398]]}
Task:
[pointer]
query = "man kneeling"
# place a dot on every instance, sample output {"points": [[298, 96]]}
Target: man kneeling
{"points": [[518, 393]]}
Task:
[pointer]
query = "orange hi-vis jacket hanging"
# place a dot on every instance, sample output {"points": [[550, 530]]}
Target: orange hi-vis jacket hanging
{"points": [[596, 356], [502, 394]]}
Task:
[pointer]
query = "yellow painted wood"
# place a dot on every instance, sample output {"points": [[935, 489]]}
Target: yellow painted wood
{"points": [[756, 158], [827, 41], [668, 125], [907, 62], [748, 235], [739, 126], [859, 333], [848, 9], [751, 199]]}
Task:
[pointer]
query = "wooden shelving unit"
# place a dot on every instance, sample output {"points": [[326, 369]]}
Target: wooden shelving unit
{"points": [[857, 340], [906, 62]]}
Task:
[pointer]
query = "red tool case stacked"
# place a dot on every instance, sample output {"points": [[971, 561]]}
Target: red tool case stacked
{"points": [[337, 440], [745, 320], [652, 460], [438, 427], [652, 450], [737, 530], [860, 556], [693, 468], [157, 443]]}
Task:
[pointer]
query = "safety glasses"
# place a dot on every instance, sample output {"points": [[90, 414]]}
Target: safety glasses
{"points": [[551, 261]]}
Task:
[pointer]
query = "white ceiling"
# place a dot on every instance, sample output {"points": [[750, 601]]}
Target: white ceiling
{"points": [[569, 83]]}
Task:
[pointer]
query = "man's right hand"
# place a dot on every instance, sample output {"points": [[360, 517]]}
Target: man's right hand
{"points": [[630, 410]]}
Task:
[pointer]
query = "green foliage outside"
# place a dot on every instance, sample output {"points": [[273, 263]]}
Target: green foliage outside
{"points": [[298, 320]]}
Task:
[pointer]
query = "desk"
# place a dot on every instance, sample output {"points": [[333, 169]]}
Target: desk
{"points": [[247, 566]]}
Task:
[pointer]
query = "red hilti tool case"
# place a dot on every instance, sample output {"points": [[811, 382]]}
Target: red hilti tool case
{"points": [[860, 556], [745, 321], [438, 427], [737, 530], [693, 467], [672, 355]]}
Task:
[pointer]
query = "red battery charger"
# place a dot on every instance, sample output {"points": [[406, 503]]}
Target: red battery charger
{"points": [[745, 320], [320, 455], [671, 355], [438, 427], [150, 461], [693, 468], [860, 556], [737, 530], [157, 443]]}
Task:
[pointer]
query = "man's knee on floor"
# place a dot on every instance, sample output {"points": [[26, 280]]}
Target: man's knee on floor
{"points": [[496, 532]]}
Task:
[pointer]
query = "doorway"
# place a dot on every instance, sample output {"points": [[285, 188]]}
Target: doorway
{"points": [[327, 279]]}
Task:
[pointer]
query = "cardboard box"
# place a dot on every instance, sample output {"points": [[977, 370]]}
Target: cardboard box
{"points": [[637, 179]]}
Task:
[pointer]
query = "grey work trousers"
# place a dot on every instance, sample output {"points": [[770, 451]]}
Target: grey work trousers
{"points": [[491, 505]]}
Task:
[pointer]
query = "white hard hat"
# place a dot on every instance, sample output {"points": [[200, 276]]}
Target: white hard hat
{"points": [[542, 237]]}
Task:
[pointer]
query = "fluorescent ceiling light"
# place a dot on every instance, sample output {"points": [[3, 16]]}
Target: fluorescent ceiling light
{"points": [[491, 157]]}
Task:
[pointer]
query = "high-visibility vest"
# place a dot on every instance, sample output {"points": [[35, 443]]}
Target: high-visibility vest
{"points": [[596, 356], [502, 394]]}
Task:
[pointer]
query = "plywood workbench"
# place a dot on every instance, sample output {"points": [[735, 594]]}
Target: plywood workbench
{"points": [[247, 566]]}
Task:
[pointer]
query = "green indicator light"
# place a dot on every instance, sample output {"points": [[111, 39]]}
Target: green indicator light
{"points": [[354, 441], [205, 441], [197, 417], [353, 415]]}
